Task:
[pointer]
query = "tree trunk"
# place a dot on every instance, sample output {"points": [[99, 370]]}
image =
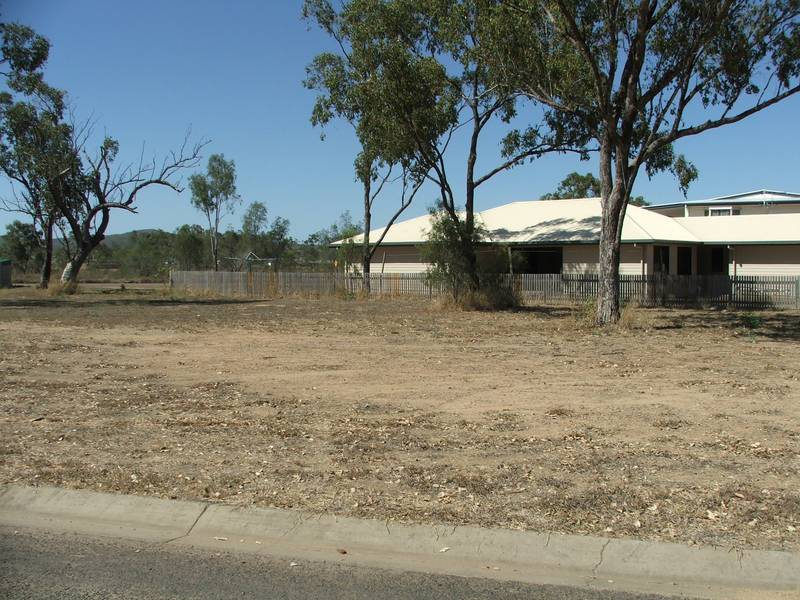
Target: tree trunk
{"points": [[471, 257], [366, 254], [47, 263], [468, 238], [608, 288], [69, 278], [613, 212]]}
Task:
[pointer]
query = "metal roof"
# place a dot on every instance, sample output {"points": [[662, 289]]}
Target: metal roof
{"points": [[540, 222], [557, 222], [755, 197], [744, 229]]}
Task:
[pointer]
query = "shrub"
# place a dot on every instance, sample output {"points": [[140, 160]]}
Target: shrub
{"points": [[751, 321], [448, 255]]}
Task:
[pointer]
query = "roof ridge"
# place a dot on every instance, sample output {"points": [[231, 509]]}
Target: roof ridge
{"points": [[629, 215]]}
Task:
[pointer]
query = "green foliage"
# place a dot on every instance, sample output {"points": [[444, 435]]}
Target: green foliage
{"points": [[215, 191], [254, 221], [24, 53], [450, 270], [148, 255], [397, 102], [751, 321], [230, 242], [411, 75], [443, 253], [635, 77], [576, 185], [35, 145], [22, 245], [274, 243], [279, 245], [36, 150], [316, 250], [190, 250], [56, 180], [214, 195], [642, 79]]}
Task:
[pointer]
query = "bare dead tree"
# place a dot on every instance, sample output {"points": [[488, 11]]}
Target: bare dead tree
{"points": [[87, 194]]}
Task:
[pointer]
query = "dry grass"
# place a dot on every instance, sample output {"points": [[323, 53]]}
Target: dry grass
{"points": [[684, 430], [494, 299]]}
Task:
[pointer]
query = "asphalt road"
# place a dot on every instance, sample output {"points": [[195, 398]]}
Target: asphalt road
{"points": [[39, 565]]}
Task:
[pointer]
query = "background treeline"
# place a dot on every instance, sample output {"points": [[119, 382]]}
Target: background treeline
{"points": [[148, 255]]}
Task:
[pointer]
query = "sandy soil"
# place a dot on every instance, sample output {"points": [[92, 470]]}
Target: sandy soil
{"points": [[682, 426]]}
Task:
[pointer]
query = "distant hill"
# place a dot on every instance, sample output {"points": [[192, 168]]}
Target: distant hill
{"points": [[113, 241], [120, 240]]}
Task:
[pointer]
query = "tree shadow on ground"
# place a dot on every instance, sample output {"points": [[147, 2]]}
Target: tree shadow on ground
{"points": [[134, 301], [779, 326], [554, 310]]}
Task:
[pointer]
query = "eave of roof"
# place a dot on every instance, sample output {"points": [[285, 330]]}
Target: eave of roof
{"points": [[754, 197], [745, 229]]}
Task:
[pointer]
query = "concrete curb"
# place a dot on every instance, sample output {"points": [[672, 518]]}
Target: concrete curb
{"points": [[630, 565], [115, 515]]}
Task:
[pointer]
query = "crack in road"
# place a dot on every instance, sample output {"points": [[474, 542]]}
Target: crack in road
{"points": [[191, 527], [297, 524], [600, 562]]}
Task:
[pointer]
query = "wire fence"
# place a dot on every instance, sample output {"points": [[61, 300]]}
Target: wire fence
{"points": [[645, 290]]}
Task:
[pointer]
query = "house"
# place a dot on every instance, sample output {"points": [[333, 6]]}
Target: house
{"points": [[757, 233]]}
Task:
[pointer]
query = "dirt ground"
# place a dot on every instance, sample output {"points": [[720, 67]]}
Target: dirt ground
{"points": [[682, 426]]}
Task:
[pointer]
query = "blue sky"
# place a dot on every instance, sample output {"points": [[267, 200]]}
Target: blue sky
{"points": [[145, 71]]}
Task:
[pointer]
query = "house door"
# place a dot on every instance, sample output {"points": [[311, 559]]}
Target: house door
{"points": [[714, 260], [684, 261], [661, 260]]}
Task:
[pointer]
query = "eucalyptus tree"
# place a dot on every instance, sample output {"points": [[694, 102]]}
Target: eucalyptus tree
{"points": [[433, 84], [254, 220], [254, 224], [214, 194], [34, 141], [351, 87], [575, 185], [639, 75], [21, 244], [587, 185]]}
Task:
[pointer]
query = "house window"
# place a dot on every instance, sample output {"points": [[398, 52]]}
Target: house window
{"points": [[722, 211], [684, 261], [538, 260], [661, 259]]}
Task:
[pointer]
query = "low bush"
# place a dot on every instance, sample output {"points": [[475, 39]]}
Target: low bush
{"points": [[451, 268]]}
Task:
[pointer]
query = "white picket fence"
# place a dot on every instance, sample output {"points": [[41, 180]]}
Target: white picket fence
{"points": [[649, 290]]}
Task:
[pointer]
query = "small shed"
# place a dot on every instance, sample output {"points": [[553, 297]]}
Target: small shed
{"points": [[5, 273]]}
